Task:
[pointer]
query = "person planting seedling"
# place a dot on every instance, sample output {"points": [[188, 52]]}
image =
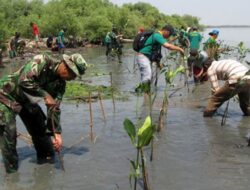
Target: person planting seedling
{"points": [[237, 82], [41, 77]]}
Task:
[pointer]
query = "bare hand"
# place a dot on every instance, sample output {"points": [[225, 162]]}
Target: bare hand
{"points": [[57, 142], [49, 101]]}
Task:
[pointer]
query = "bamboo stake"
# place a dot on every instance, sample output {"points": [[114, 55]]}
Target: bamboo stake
{"points": [[91, 118], [103, 112], [112, 90]]}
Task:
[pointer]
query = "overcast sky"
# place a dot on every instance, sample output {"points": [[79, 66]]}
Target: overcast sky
{"points": [[212, 12]]}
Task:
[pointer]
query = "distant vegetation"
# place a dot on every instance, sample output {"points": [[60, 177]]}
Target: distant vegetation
{"points": [[90, 19], [228, 26]]}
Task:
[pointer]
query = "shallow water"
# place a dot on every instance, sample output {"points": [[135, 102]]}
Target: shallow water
{"points": [[191, 152]]}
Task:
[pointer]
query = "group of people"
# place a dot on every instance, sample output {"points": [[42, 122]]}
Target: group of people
{"points": [[57, 43], [204, 65], [46, 78], [16, 45]]}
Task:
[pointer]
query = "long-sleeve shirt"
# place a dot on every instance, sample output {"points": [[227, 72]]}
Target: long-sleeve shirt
{"points": [[226, 70], [37, 78]]}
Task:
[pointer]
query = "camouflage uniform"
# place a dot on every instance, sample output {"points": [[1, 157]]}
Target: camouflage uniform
{"points": [[37, 78]]}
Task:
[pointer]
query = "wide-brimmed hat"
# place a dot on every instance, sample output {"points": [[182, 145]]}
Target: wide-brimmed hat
{"points": [[76, 63]]}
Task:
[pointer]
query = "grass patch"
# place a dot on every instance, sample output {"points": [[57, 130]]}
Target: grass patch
{"points": [[80, 90]]}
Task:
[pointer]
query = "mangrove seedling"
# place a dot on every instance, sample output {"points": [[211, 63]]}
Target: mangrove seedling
{"points": [[169, 78], [139, 138], [242, 51]]}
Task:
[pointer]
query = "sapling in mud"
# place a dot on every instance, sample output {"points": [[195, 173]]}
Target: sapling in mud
{"points": [[140, 138], [169, 78], [242, 51]]}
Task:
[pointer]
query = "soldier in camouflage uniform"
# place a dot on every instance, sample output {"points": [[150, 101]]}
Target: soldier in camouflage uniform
{"points": [[41, 77]]}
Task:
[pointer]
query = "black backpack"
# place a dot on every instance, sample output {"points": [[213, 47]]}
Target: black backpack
{"points": [[140, 40]]}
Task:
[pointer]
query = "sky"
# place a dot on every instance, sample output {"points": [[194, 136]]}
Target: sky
{"points": [[212, 12]]}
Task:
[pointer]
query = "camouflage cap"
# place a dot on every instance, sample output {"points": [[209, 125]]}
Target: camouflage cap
{"points": [[76, 63]]}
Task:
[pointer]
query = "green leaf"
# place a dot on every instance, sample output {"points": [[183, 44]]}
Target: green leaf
{"points": [[180, 69], [130, 129], [145, 133]]}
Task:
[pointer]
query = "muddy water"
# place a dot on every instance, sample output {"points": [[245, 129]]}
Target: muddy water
{"points": [[191, 152]]}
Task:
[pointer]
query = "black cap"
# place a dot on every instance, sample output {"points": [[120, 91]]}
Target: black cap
{"points": [[169, 28], [193, 52]]}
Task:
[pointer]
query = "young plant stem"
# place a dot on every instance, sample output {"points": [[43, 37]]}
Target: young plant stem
{"points": [[91, 118], [103, 112], [112, 91], [54, 135], [144, 171], [224, 117], [163, 111], [186, 74], [150, 114], [137, 164]]}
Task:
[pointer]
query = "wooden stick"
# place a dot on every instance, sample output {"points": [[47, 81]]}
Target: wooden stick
{"points": [[25, 138], [103, 112], [112, 91], [91, 118]]}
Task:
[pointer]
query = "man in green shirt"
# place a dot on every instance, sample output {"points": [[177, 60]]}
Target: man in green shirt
{"points": [[113, 41], [195, 39], [61, 40], [151, 52]]}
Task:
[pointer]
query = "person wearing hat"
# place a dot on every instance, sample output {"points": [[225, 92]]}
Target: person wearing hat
{"points": [[151, 52], [196, 65], [211, 46], [42, 77]]}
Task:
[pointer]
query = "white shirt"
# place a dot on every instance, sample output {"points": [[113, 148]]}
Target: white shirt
{"points": [[227, 70]]}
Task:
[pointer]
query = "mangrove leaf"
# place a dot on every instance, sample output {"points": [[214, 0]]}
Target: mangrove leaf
{"points": [[130, 129]]}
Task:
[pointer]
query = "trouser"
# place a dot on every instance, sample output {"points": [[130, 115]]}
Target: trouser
{"points": [[108, 48], [242, 89], [145, 67], [34, 121]]}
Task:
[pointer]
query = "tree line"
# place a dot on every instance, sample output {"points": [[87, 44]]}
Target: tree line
{"points": [[90, 19]]}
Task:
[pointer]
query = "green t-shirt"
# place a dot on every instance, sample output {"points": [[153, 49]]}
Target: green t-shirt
{"points": [[61, 37], [195, 39], [211, 43], [155, 40]]}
